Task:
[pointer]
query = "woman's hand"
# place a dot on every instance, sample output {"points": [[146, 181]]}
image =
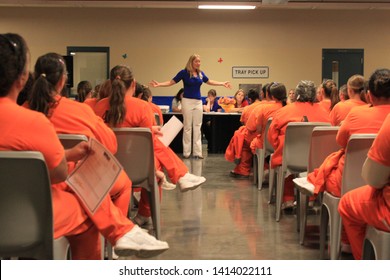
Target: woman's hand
{"points": [[154, 83], [78, 152], [157, 130], [227, 84]]}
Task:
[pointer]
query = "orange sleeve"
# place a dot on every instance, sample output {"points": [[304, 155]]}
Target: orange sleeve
{"points": [[46, 141], [343, 135], [380, 149], [105, 135], [251, 123], [334, 116]]}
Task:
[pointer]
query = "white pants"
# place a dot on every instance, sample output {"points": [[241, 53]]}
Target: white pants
{"points": [[192, 110]]}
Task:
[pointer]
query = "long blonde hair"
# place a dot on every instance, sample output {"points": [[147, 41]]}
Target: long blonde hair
{"points": [[191, 69]]}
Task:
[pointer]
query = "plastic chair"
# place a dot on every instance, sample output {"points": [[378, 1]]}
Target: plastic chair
{"points": [[295, 155], [259, 157], [376, 244], [356, 153], [322, 143], [157, 118], [136, 154], [68, 141], [26, 208]]}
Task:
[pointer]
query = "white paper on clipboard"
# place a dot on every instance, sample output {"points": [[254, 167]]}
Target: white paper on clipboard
{"points": [[170, 129], [94, 176]]}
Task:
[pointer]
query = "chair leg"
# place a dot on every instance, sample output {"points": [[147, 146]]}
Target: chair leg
{"points": [[154, 197], [368, 251], [279, 193], [255, 169], [324, 219], [260, 168], [303, 204], [271, 183]]}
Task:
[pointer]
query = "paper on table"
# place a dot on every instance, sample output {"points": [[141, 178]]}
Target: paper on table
{"points": [[170, 130], [94, 176]]}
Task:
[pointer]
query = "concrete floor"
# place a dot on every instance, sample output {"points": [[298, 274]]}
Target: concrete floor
{"points": [[229, 219]]}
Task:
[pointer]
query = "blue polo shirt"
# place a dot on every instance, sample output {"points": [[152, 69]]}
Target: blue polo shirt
{"points": [[191, 85]]}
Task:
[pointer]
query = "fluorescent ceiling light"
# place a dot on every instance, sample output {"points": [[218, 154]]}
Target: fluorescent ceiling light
{"points": [[227, 7]]}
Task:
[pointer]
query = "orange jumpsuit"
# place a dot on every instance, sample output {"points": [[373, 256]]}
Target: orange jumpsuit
{"points": [[341, 110], [362, 119], [24, 129], [258, 119], [71, 117], [293, 112], [91, 102], [249, 131], [367, 205], [140, 114], [325, 104], [248, 110]]}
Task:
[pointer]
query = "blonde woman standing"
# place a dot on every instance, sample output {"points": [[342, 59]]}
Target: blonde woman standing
{"points": [[192, 108]]}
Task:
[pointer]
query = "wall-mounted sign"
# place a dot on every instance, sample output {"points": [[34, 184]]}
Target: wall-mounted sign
{"points": [[250, 72]]}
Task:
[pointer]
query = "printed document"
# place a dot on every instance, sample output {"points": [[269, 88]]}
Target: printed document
{"points": [[94, 176], [170, 130]]}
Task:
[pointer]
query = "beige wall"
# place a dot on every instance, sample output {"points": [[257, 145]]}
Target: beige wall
{"points": [[159, 42]]}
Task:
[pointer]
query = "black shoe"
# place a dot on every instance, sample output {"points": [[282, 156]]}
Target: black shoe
{"points": [[238, 176], [186, 157], [198, 157]]}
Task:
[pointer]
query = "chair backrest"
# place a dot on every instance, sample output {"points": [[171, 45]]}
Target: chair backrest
{"points": [[157, 118], [355, 155], [136, 154], [266, 144], [71, 140], [25, 206], [297, 145], [322, 143]]}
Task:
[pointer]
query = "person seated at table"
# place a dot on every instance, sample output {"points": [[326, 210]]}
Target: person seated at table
{"points": [[355, 86], [211, 102], [32, 131], [303, 109], [241, 101], [176, 101], [370, 204]]}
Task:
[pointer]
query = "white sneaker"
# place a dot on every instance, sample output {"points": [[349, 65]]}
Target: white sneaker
{"points": [[304, 186], [190, 182], [140, 243], [167, 185]]}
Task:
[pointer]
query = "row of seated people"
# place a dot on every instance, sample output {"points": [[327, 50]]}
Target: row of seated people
{"points": [[364, 112], [30, 130]]}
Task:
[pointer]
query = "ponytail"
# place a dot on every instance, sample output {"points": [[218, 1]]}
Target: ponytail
{"points": [[121, 79], [117, 111], [48, 71]]}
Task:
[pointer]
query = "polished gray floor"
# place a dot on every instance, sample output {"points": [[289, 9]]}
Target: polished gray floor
{"points": [[229, 218]]}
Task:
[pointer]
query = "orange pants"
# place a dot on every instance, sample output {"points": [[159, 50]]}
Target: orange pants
{"points": [[174, 166], [361, 207], [121, 193], [245, 165], [73, 220]]}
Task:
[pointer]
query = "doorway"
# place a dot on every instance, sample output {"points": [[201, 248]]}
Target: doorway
{"points": [[89, 64], [340, 64]]}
